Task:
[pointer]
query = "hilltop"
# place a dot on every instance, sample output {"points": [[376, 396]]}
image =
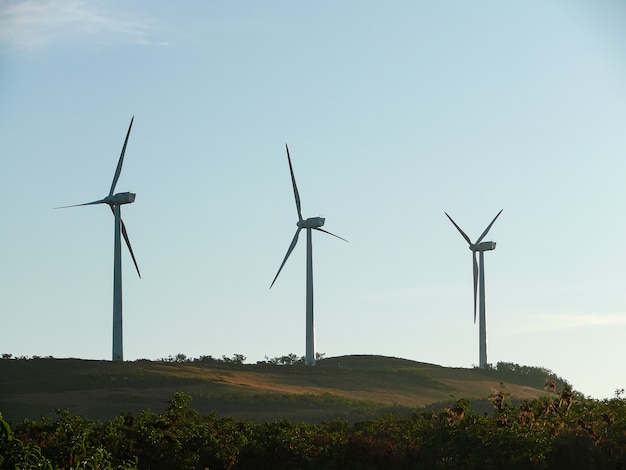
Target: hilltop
{"points": [[350, 387]]}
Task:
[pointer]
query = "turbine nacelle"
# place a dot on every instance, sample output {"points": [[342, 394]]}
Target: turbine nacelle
{"points": [[483, 246], [311, 222], [120, 198]]}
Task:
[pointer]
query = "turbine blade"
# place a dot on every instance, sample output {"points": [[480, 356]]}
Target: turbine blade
{"points": [[488, 227], [100, 201], [475, 283], [291, 247], [130, 248], [326, 231], [121, 160], [459, 229], [295, 188]]}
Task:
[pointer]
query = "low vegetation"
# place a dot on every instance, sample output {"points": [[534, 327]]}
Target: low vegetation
{"points": [[354, 388], [563, 431], [350, 412]]}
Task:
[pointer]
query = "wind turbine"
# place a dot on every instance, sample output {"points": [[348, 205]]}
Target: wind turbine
{"points": [[312, 223], [479, 282], [115, 201]]}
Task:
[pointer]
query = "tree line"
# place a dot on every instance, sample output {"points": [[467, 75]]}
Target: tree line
{"points": [[235, 359]]}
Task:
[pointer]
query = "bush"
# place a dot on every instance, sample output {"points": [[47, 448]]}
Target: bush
{"points": [[560, 431]]}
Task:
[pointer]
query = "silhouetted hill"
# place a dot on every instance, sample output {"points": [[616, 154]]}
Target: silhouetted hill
{"points": [[350, 387]]}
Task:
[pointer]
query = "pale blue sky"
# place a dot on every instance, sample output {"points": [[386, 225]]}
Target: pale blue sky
{"points": [[393, 115]]}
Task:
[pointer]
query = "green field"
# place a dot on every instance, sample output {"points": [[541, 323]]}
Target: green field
{"points": [[348, 387]]}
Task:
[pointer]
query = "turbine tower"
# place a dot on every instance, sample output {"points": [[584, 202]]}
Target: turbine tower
{"points": [[115, 201], [312, 223], [479, 282]]}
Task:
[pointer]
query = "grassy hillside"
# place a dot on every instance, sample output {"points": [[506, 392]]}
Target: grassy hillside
{"points": [[350, 387]]}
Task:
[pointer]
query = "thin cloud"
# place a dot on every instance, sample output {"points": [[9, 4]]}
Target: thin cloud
{"points": [[30, 24], [536, 323]]}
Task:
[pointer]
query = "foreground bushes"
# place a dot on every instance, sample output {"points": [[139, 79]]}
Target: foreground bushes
{"points": [[553, 432]]}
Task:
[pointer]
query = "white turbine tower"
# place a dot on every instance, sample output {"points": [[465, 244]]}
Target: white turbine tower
{"points": [[115, 201], [312, 223], [479, 282]]}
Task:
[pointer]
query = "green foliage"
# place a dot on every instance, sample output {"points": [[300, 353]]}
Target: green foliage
{"points": [[516, 373], [181, 358], [559, 431], [287, 360]]}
